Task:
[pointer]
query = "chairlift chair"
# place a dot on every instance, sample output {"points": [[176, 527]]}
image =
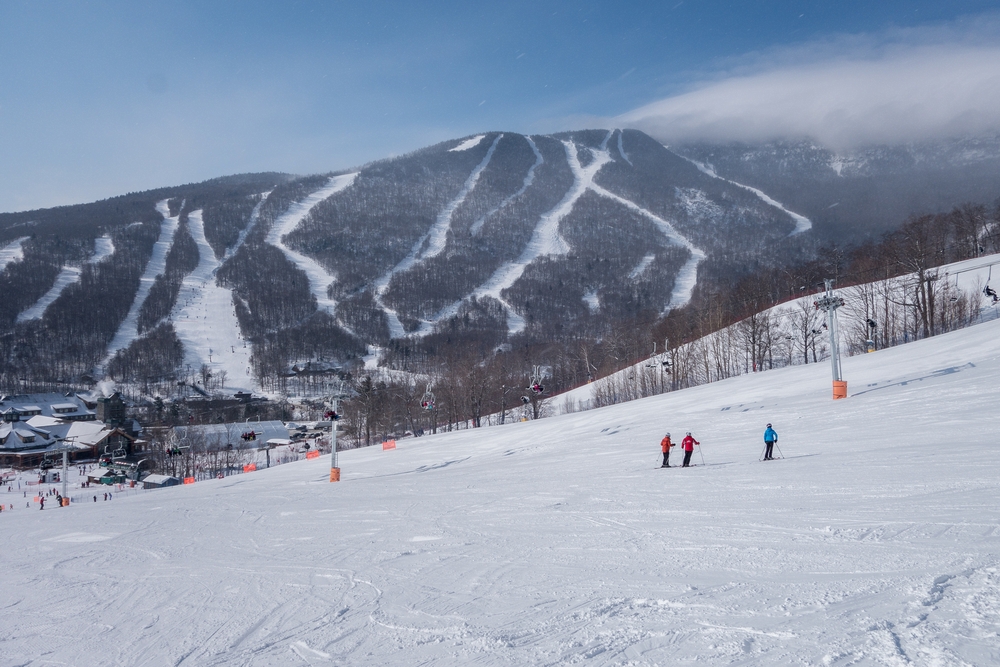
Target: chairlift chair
{"points": [[427, 400]]}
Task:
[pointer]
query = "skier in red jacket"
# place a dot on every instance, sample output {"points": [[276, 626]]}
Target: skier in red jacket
{"points": [[688, 443], [665, 446]]}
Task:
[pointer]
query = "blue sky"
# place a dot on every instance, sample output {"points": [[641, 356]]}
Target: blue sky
{"points": [[103, 98]]}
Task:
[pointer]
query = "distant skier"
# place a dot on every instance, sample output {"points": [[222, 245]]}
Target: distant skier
{"points": [[688, 444], [665, 446], [770, 437]]}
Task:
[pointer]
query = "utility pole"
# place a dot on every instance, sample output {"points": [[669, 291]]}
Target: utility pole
{"points": [[830, 302]]}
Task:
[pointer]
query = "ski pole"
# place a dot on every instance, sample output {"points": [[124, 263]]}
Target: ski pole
{"points": [[702, 455], [761, 457], [779, 449]]}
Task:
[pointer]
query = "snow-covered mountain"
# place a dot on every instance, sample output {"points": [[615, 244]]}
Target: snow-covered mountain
{"points": [[865, 191], [544, 237], [501, 239], [873, 541]]}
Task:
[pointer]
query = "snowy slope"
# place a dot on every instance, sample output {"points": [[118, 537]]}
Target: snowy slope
{"points": [[12, 252], [969, 276], [556, 542], [104, 247], [205, 319], [128, 331], [319, 277], [802, 223]]}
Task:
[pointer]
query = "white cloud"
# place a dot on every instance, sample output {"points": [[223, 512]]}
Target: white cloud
{"points": [[846, 91]]}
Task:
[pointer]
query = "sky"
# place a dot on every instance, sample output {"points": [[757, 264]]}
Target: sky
{"points": [[102, 98]]}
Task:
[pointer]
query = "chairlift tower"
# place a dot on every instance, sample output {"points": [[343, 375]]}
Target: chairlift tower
{"points": [[334, 417], [830, 302]]}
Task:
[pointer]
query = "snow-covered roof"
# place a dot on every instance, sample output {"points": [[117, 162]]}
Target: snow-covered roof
{"points": [[211, 436], [158, 479], [47, 404]]}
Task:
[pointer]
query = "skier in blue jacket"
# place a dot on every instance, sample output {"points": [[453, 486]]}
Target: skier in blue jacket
{"points": [[770, 437]]}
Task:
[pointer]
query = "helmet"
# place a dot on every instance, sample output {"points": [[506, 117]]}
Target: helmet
{"points": [[668, 435], [689, 432], [769, 426]]}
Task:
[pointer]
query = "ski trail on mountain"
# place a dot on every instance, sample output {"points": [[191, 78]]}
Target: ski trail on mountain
{"points": [[254, 217], [546, 241], [802, 223], [319, 278], [641, 266], [205, 319], [128, 331], [528, 180], [621, 149], [436, 238], [103, 248], [12, 252], [687, 277], [471, 142], [426, 326]]}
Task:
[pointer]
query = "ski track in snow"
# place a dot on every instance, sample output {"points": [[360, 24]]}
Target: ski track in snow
{"points": [[560, 541], [128, 331], [319, 278], [205, 319], [802, 223], [12, 252], [103, 248], [528, 180]]}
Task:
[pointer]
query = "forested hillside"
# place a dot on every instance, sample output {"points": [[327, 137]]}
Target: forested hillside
{"points": [[563, 251]]}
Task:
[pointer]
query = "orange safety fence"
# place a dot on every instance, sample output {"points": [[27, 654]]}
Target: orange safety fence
{"points": [[312, 455], [189, 480], [388, 444], [250, 467]]}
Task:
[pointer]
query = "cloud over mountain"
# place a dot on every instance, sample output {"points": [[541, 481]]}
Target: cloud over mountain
{"points": [[845, 92]]}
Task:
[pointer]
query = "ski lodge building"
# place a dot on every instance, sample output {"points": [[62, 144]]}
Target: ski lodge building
{"points": [[36, 427]]}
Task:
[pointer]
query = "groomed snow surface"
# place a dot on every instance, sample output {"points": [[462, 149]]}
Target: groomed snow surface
{"points": [[875, 541], [205, 319], [319, 278], [104, 247]]}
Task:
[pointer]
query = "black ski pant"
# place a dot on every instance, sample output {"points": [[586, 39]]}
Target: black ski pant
{"points": [[666, 458], [768, 446], [687, 457]]}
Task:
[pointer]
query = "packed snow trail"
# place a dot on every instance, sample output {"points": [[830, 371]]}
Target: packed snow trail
{"points": [[128, 331], [319, 278], [687, 277], [471, 142], [436, 238], [556, 542], [254, 217], [528, 180], [621, 149], [545, 239], [205, 319], [103, 247], [12, 252], [802, 223]]}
